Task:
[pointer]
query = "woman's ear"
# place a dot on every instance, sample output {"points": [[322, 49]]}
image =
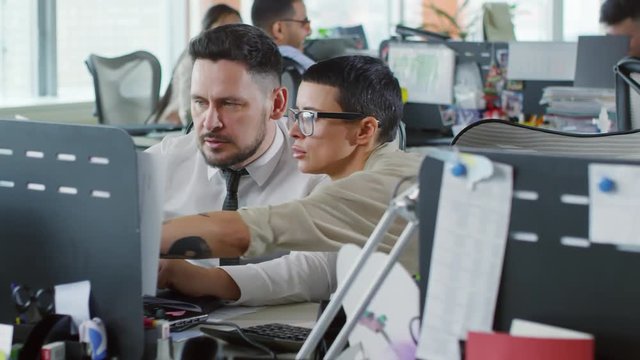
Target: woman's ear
{"points": [[367, 131]]}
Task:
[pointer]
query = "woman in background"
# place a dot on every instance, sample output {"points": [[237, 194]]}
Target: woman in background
{"points": [[175, 104]]}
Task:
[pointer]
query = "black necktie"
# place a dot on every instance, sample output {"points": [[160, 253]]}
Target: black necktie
{"points": [[233, 179], [231, 200]]}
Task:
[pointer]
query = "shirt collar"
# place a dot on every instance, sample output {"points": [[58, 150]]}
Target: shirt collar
{"points": [[261, 168]]}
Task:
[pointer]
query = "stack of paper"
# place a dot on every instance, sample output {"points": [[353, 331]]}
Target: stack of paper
{"points": [[574, 109]]}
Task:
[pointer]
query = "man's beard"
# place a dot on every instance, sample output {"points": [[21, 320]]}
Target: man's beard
{"points": [[239, 157]]}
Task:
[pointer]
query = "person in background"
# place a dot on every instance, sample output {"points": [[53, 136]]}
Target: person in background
{"points": [[174, 106], [237, 105], [622, 17], [287, 23], [347, 116]]}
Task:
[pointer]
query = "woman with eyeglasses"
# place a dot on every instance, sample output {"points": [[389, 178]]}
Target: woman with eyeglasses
{"points": [[346, 118]]}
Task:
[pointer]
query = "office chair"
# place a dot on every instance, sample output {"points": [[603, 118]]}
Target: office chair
{"points": [[504, 135], [627, 73], [291, 79], [126, 87]]}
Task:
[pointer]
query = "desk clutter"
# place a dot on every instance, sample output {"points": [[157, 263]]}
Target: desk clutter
{"points": [[451, 84]]}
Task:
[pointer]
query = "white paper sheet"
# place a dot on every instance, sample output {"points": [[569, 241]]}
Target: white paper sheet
{"points": [[425, 70], [395, 341], [527, 328], [542, 60], [466, 263], [73, 299], [6, 338], [613, 216]]}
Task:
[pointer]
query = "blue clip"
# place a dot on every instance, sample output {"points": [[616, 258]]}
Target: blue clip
{"points": [[606, 185], [459, 170]]}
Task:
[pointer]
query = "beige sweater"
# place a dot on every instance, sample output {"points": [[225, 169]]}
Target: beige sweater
{"points": [[345, 211]]}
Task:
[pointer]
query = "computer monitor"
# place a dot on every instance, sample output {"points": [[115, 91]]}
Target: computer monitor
{"points": [[70, 211], [597, 56], [323, 49], [591, 288]]}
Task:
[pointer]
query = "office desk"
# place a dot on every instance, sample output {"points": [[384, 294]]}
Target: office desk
{"points": [[301, 314], [145, 141]]}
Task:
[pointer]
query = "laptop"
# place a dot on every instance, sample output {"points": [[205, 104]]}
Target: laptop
{"points": [[181, 311]]}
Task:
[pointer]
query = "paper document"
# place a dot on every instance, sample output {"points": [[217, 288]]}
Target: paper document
{"points": [[73, 299], [527, 328], [425, 70], [613, 214], [466, 261], [555, 61]]}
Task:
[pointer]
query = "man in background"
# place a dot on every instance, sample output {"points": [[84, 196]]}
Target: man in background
{"points": [[622, 17], [287, 23]]}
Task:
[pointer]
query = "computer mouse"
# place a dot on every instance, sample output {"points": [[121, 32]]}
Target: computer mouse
{"points": [[201, 347]]}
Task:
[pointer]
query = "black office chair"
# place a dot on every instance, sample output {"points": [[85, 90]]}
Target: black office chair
{"points": [[627, 73], [126, 87], [504, 135], [291, 79]]}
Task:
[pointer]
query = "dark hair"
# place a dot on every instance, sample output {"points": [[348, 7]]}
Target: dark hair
{"points": [[241, 43], [365, 85], [615, 11], [265, 12], [215, 13]]}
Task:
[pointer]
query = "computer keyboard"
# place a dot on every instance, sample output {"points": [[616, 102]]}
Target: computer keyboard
{"points": [[275, 336]]}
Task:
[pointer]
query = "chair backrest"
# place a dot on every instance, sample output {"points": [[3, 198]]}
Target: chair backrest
{"points": [[291, 79], [126, 87], [627, 73], [499, 134]]}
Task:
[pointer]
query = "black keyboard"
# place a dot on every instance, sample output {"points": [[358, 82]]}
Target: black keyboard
{"points": [[275, 336]]}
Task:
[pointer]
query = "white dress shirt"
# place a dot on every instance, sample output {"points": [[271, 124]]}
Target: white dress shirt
{"points": [[192, 186], [302, 60]]}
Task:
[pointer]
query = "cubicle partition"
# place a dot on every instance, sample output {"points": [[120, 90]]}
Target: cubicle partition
{"points": [[553, 272], [69, 212]]}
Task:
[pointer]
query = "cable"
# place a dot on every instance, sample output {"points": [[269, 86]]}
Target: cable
{"points": [[400, 182], [413, 336], [238, 329]]}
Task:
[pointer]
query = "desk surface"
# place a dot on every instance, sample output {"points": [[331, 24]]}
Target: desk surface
{"points": [[301, 314]]}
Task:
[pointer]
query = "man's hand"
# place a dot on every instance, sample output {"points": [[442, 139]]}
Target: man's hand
{"points": [[194, 280]]}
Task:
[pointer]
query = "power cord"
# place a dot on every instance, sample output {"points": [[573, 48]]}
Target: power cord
{"points": [[400, 182], [414, 337], [238, 329]]}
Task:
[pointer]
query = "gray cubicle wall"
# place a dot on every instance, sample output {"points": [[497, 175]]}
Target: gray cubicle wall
{"points": [[69, 212]]}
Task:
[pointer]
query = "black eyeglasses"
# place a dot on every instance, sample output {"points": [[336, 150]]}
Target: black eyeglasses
{"points": [[25, 299], [307, 118], [304, 21]]}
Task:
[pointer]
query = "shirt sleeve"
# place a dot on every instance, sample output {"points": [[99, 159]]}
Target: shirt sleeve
{"points": [[297, 277]]}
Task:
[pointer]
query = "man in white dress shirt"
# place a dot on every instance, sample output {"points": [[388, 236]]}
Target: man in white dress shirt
{"points": [[237, 103], [287, 23]]}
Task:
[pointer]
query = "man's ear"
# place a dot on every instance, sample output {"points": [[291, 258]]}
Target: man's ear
{"points": [[280, 96], [367, 131], [277, 32]]}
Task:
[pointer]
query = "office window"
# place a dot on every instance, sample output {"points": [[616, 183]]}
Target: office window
{"points": [[581, 17], [378, 17], [532, 19], [106, 28], [17, 53]]}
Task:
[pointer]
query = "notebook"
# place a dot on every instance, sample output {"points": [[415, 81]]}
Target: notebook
{"points": [[181, 311]]}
